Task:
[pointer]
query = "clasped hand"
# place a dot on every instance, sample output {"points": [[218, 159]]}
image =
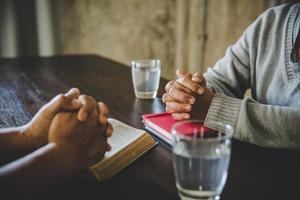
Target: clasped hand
{"points": [[76, 124], [188, 97]]}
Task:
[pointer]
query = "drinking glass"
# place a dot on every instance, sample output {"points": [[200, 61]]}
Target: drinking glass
{"points": [[201, 158], [145, 78]]}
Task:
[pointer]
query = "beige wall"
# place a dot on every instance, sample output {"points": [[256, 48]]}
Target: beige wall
{"points": [[187, 34], [227, 21], [121, 30]]}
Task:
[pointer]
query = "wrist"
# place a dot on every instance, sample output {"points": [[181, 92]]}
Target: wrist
{"points": [[67, 156], [201, 108], [209, 98], [34, 141]]}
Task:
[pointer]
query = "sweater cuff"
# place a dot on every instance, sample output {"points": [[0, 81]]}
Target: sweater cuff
{"points": [[223, 110]]}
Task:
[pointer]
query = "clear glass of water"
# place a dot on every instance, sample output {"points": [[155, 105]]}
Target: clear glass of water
{"points": [[145, 77], [201, 158]]}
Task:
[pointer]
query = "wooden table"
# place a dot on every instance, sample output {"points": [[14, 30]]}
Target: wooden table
{"points": [[27, 83]]}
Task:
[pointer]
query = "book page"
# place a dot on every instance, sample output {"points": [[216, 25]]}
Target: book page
{"points": [[122, 136]]}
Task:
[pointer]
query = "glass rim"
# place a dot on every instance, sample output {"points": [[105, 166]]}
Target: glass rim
{"points": [[220, 137], [145, 61]]}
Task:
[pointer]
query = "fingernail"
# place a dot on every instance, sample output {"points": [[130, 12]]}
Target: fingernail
{"points": [[186, 116], [200, 91], [192, 100], [197, 80], [188, 107], [76, 103], [167, 109], [72, 91], [84, 116]]}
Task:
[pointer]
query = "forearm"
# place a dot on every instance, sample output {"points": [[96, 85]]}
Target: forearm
{"points": [[264, 125], [229, 76], [37, 172], [14, 143]]}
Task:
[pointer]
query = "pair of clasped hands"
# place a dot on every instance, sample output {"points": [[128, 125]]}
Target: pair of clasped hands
{"points": [[76, 124], [188, 96]]}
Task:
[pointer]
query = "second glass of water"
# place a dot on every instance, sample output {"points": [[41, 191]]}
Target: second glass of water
{"points": [[200, 157], [145, 77]]}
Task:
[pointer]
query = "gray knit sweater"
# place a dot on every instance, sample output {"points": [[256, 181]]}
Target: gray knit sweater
{"points": [[262, 61]]}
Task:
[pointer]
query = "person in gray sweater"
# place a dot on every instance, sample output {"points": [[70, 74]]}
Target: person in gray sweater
{"points": [[266, 60]]}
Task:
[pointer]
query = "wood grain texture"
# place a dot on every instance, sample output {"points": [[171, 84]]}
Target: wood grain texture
{"points": [[27, 83]]}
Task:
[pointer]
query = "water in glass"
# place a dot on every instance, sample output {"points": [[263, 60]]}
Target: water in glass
{"points": [[201, 166], [145, 77]]}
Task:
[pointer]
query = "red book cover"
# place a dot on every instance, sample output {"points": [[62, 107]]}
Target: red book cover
{"points": [[160, 124]]}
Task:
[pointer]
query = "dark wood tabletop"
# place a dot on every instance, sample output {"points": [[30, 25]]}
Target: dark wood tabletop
{"points": [[28, 83]]}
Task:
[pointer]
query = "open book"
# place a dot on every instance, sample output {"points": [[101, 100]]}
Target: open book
{"points": [[128, 144]]}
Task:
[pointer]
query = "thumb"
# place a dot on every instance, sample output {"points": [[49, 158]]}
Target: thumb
{"points": [[61, 102], [73, 93], [199, 78], [50, 109], [181, 74], [71, 102]]}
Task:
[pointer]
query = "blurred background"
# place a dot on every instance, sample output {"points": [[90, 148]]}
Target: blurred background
{"points": [[185, 34]]}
